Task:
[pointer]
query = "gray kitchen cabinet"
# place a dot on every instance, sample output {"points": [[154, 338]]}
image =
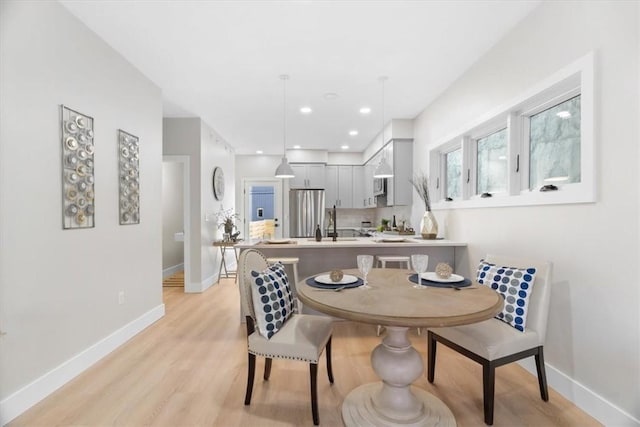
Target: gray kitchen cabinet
{"points": [[359, 197], [308, 175], [367, 176], [363, 196], [399, 154], [339, 188]]}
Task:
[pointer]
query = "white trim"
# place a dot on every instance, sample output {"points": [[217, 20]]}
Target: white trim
{"points": [[209, 282], [170, 271], [584, 398], [278, 203], [32, 393]]}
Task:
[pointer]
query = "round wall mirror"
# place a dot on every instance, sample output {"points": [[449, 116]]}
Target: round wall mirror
{"points": [[218, 183]]}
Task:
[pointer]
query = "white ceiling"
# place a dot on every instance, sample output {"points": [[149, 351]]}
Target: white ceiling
{"points": [[221, 60]]}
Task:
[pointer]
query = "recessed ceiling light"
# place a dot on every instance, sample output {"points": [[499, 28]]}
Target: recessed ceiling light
{"points": [[330, 96], [353, 132], [502, 157], [305, 110], [259, 151], [563, 114], [365, 110], [344, 147], [296, 146]]}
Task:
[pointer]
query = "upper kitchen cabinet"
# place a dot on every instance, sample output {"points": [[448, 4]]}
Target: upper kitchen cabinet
{"points": [[399, 154], [308, 175], [363, 196], [339, 189]]}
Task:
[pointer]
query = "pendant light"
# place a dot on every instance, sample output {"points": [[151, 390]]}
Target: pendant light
{"points": [[284, 170], [383, 170]]}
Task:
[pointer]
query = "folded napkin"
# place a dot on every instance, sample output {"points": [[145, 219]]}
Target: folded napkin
{"points": [[461, 284]]}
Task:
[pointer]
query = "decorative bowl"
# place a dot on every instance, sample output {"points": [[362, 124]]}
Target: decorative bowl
{"points": [[336, 275]]}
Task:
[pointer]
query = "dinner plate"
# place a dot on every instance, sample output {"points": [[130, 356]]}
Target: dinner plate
{"points": [[326, 279], [278, 241], [432, 276]]}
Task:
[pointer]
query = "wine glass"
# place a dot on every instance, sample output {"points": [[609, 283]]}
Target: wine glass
{"points": [[365, 262], [420, 263]]}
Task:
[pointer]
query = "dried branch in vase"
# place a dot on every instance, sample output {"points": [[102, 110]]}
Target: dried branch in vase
{"points": [[421, 184]]}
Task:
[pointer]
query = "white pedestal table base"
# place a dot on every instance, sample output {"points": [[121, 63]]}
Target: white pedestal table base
{"points": [[393, 402]]}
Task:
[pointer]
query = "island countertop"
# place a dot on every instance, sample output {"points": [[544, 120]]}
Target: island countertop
{"points": [[349, 242], [315, 257]]}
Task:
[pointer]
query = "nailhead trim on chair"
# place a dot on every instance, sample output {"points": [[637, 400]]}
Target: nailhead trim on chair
{"points": [[278, 356]]}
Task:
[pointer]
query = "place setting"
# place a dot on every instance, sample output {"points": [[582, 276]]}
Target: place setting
{"points": [[442, 277], [336, 280]]}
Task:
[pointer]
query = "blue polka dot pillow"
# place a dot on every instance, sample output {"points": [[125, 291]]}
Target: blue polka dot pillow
{"points": [[514, 285], [272, 299]]}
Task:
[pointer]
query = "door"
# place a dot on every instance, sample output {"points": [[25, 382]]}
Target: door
{"points": [[262, 209]]}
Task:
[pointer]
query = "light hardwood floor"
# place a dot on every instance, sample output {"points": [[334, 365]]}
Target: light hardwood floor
{"points": [[189, 369]]}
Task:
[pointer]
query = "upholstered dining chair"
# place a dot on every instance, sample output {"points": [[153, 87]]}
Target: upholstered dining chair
{"points": [[300, 337], [493, 343]]}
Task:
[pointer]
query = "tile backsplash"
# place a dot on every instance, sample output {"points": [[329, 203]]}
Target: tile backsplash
{"points": [[354, 217], [402, 213]]}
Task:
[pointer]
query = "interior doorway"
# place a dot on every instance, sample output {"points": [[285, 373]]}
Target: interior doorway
{"points": [[262, 211], [178, 231]]}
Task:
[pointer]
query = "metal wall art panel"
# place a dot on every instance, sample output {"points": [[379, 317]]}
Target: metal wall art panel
{"points": [[78, 205], [129, 178]]}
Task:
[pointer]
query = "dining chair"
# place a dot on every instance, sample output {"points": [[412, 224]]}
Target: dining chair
{"points": [[301, 337], [493, 343]]}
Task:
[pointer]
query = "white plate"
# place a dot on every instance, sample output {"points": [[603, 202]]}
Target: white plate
{"points": [[432, 276], [278, 241], [326, 279], [393, 239]]}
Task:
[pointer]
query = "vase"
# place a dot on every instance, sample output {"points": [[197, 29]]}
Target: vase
{"points": [[429, 226]]}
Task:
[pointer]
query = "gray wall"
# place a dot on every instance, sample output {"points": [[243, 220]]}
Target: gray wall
{"points": [[594, 329], [172, 215], [59, 288], [206, 149]]}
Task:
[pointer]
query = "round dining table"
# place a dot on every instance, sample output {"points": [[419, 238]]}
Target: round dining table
{"points": [[392, 300]]}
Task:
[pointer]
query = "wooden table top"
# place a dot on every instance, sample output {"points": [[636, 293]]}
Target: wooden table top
{"points": [[393, 301]]}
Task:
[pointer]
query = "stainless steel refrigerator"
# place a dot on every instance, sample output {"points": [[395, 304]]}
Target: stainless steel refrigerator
{"points": [[306, 212]]}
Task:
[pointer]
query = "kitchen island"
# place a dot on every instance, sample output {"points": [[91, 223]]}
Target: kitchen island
{"points": [[316, 257]]}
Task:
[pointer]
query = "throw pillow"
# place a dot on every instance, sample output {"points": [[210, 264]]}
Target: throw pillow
{"points": [[514, 285], [272, 299]]}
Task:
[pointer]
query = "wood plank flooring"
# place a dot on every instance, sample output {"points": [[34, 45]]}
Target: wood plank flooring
{"points": [[189, 369], [175, 280]]}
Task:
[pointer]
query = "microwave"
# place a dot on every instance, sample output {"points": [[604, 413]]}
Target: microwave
{"points": [[379, 186]]}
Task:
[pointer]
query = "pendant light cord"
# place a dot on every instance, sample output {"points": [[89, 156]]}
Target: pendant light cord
{"points": [[284, 78], [384, 155]]}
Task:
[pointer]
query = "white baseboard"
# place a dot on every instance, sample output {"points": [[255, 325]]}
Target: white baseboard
{"points": [[587, 400], [209, 281], [170, 271], [32, 393]]}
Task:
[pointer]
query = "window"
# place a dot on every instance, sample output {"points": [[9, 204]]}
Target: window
{"points": [[453, 164], [537, 149], [491, 155], [554, 145]]}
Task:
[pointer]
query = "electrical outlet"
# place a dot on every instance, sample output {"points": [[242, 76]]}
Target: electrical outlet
{"points": [[121, 297]]}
